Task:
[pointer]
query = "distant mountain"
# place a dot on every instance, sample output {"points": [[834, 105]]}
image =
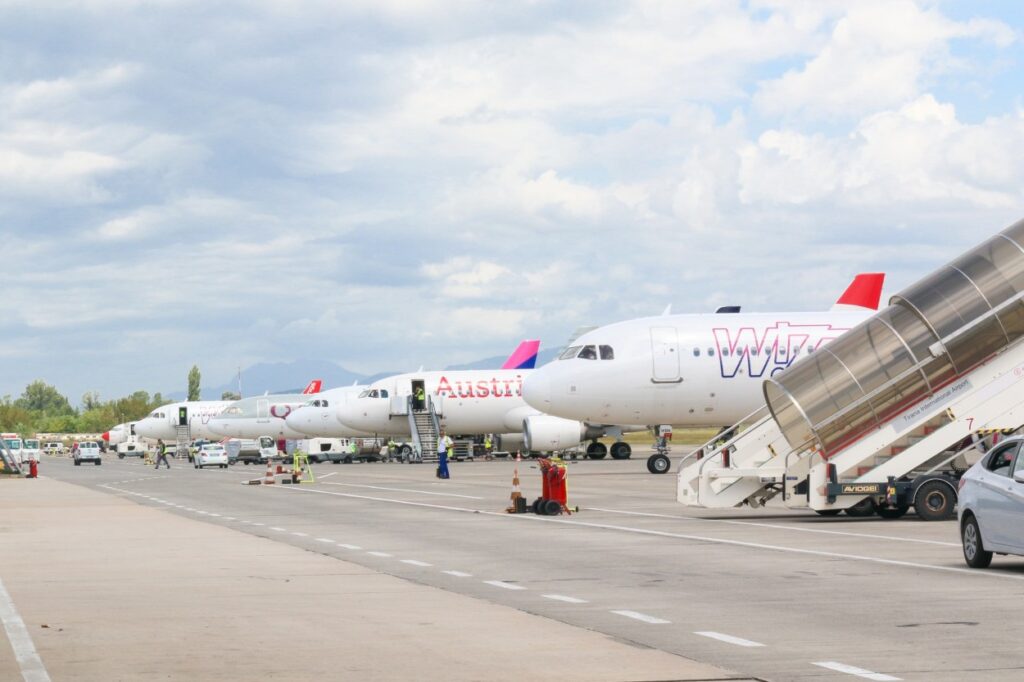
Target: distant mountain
{"points": [[292, 377]]}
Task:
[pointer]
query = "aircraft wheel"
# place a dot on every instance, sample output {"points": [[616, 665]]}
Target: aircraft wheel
{"points": [[597, 450], [659, 464], [621, 451]]}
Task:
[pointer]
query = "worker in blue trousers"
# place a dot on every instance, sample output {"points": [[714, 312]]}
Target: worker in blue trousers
{"points": [[444, 448]]}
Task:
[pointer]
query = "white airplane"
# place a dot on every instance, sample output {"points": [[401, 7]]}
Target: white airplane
{"points": [[118, 434], [263, 415], [318, 416], [473, 402], [688, 370], [163, 422]]}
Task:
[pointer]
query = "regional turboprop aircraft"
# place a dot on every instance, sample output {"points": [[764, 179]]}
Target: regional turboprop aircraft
{"points": [[688, 370], [165, 421], [473, 402]]}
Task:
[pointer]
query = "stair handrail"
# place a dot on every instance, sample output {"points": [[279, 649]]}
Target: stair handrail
{"points": [[734, 427], [413, 430]]}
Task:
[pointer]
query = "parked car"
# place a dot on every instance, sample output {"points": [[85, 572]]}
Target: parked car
{"points": [[53, 448], [86, 451], [211, 454], [991, 503]]}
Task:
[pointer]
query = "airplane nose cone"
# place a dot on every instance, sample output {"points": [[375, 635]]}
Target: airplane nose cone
{"points": [[106, 436], [537, 390]]}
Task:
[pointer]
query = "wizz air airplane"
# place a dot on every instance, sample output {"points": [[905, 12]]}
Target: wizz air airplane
{"points": [[262, 415], [473, 402], [164, 421], [688, 370]]}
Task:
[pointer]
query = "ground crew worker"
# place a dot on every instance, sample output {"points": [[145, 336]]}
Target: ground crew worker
{"points": [[488, 445], [161, 454], [421, 398], [392, 447], [445, 445]]}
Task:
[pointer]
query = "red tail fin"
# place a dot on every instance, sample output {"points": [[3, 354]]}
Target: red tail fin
{"points": [[314, 387], [865, 291]]}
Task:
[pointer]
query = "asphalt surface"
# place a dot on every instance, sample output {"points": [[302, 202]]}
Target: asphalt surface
{"points": [[770, 595]]}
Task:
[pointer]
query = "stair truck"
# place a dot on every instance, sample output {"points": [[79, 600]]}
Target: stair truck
{"points": [[886, 417]]}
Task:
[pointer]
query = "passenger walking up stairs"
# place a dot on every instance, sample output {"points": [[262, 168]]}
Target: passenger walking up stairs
{"points": [[887, 416]]}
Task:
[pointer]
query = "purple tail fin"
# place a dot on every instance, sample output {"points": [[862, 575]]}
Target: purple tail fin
{"points": [[523, 357]]}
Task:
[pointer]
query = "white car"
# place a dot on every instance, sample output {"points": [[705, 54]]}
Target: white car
{"points": [[211, 454], [991, 505], [86, 451], [53, 448]]}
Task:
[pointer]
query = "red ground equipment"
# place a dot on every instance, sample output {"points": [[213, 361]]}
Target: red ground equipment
{"points": [[553, 499], [33, 469]]}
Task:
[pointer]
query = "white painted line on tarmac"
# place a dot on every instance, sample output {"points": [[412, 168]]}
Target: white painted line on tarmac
{"points": [[729, 639], [258, 524], [229, 518], [212, 514], [406, 490], [642, 617], [523, 518], [278, 529], [414, 562], [327, 540], [859, 672], [301, 535], [871, 536], [333, 473], [32, 668], [459, 574], [563, 598], [504, 585], [342, 544], [380, 554]]}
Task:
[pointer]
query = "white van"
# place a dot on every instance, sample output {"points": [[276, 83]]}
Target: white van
{"points": [[15, 445], [33, 449]]}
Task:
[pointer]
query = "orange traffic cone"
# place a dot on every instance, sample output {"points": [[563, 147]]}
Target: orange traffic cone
{"points": [[517, 495], [269, 478]]}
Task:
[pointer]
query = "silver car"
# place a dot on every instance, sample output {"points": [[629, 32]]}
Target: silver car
{"points": [[991, 505]]}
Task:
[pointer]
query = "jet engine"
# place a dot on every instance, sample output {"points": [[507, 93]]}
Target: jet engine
{"points": [[544, 433]]}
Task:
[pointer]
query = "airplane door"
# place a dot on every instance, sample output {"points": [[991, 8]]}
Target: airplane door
{"points": [[665, 355], [182, 416], [418, 389], [263, 411]]}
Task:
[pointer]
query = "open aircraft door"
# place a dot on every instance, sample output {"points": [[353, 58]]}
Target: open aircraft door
{"points": [[183, 416], [262, 411], [665, 355]]}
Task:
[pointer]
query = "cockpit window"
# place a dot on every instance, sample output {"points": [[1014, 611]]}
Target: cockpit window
{"points": [[588, 353], [569, 352], [383, 393], [325, 403], [365, 394], [234, 410], [607, 353]]}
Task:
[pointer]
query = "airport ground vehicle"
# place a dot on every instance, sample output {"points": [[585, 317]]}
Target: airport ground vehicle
{"points": [[884, 417], [130, 449], [86, 451], [15, 445], [251, 451], [32, 449], [211, 454], [341, 450], [991, 507], [53, 448]]}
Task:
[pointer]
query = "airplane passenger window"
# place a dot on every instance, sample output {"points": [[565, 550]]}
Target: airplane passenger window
{"points": [[607, 353], [696, 352], [725, 353], [711, 352], [588, 353], [569, 353], [754, 352]]}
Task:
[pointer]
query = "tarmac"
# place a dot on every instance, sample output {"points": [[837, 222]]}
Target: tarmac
{"points": [[380, 571], [111, 590]]}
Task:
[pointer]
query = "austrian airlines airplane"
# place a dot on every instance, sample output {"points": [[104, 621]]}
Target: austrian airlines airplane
{"points": [[163, 422], [688, 370], [473, 402]]}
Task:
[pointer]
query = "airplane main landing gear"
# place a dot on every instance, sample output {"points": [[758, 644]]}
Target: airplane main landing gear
{"points": [[621, 451], [596, 450]]}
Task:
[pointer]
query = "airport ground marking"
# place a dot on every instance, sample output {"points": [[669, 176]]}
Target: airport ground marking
{"points": [[32, 668], [323, 476], [347, 546], [279, 529], [406, 490], [523, 518], [459, 574], [563, 598], [301, 535], [503, 585], [759, 524], [859, 672], [415, 562], [257, 524], [729, 639], [643, 617], [326, 540], [380, 554]]}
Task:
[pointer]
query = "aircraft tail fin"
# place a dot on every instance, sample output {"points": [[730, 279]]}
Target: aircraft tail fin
{"points": [[523, 357], [313, 387], [864, 292]]}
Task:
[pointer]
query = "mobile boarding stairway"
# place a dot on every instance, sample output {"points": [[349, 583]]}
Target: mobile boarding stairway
{"points": [[888, 415], [424, 424]]}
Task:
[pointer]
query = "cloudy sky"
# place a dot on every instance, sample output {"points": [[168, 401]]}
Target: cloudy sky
{"points": [[390, 183]]}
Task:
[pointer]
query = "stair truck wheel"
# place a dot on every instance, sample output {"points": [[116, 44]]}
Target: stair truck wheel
{"points": [[621, 451], [828, 512], [597, 450], [975, 553], [863, 508], [891, 512], [659, 464], [935, 500]]}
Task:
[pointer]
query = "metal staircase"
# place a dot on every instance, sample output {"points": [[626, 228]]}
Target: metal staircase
{"points": [[182, 440], [889, 402], [424, 427]]}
